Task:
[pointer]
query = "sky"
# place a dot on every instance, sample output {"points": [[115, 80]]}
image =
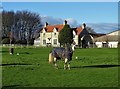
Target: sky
{"points": [[75, 12], [89, 12]]}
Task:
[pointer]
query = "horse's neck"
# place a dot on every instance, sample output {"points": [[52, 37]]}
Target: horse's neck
{"points": [[70, 48], [73, 47]]}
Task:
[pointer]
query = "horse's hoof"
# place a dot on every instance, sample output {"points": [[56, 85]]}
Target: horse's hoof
{"points": [[56, 68], [65, 68]]}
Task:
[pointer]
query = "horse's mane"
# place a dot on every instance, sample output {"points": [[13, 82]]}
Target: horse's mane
{"points": [[68, 48]]}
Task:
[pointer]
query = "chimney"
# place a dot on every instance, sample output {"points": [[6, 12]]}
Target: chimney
{"points": [[46, 24], [65, 22], [83, 26]]}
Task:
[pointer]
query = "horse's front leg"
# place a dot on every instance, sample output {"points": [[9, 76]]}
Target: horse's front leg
{"points": [[65, 64], [55, 60]]}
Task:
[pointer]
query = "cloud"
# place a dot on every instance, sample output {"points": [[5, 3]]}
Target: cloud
{"points": [[98, 27], [72, 22], [50, 20], [103, 27], [53, 21]]}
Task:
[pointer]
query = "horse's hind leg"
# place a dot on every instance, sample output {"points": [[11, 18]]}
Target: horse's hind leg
{"points": [[65, 65], [55, 60]]}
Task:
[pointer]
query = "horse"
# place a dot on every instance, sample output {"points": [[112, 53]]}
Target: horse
{"points": [[61, 53]]}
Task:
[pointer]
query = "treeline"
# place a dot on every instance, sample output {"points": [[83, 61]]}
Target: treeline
{"points": [[20, 27]]}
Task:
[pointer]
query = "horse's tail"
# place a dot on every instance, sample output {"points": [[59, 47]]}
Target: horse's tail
{"points": [[50, 58]]}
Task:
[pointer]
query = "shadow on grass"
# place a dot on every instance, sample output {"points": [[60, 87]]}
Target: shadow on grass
{"points": [[4, 51], [24, 53], [96, 66], [13, 64], [11, 86]]}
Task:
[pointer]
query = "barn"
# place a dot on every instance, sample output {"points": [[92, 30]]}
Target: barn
{"points": [[110, 40]]}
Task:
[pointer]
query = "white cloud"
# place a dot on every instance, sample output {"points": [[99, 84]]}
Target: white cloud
{"points": [[98, 27], [103, 27], [52, 21], [72, 22]]}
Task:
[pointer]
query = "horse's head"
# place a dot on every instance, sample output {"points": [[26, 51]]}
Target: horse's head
{"points": [[70, 47]]}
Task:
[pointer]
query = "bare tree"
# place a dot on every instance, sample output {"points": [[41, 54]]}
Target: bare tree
{"points": [[21, 25]]}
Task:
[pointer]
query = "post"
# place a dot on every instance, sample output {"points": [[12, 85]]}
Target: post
{"points": [[11, 50]]}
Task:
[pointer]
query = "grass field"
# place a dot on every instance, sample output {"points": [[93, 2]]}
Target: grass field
{"points": [[93, 68]]}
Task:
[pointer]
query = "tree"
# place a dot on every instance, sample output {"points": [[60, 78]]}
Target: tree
{"points": [[7, 22], [27, 24], [21, 24], [66, 35], [90, 30], [6, 41]]}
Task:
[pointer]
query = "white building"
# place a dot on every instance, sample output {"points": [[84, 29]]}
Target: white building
{"points": [[37, 42], [49, 35], [110, 40]]}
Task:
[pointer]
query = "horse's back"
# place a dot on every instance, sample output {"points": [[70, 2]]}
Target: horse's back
{"points": [[59, 49], [61, 53], [58, 52]]}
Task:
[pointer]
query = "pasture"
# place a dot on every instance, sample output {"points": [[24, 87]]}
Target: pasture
{"points": [[93, 68]]}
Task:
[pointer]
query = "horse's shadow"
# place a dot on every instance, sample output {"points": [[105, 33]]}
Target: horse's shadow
{"points": [[96, 66]]}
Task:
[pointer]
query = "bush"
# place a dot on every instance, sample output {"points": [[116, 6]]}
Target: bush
{"points": [[6, 41]]}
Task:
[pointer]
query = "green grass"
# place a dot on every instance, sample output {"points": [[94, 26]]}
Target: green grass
{"points": [[93, 68]]}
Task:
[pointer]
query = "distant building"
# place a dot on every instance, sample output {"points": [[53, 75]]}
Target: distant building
{"points": [[82, 38], [49, 36], [37, 42], [110, 40]]}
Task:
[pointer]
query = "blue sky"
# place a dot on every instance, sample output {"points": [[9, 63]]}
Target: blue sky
{"points": [[89, 12], [75, 12]]}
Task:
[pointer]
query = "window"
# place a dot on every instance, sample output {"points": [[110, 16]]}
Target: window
{"points": [[54, 33], [43, 34], [44, 42], [55, 41], [73, 36]]}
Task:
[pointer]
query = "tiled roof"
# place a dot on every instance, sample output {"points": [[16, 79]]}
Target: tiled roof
{"points": [[50, 28], [59, 27]]}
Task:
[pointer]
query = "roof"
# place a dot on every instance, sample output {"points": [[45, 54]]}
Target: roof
{"points": [[79, 30], [114, 32], [50, 28], [59, 27], [97, 34], [107, 38]]}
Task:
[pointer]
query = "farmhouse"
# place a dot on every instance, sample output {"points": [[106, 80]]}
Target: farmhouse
{"points": [[110, 40], [49, 35]]}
